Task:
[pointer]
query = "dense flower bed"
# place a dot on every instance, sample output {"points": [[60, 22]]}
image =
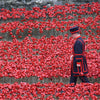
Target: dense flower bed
{"points": [[49, 91], [52, 11], [59, 18], [45, 57], [48, 57]]}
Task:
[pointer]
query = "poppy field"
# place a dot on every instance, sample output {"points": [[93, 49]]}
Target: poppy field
{"points": [[48, 57]]}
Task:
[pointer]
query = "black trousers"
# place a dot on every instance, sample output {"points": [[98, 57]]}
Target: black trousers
{"points": [[73, 79]]}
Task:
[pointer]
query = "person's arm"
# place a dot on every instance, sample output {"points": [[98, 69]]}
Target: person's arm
{"points": [[78, 50]]}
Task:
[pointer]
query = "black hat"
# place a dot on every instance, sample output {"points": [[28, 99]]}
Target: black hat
{"points": [[74, 30]]}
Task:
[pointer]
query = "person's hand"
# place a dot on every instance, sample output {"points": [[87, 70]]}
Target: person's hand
{"points": [[71, 57]]}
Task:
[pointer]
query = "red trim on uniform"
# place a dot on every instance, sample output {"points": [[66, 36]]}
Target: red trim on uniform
{"points": [[86, 67], [78, 54], [80, 75], [82, 67], [78, 58], [78, 62], [74, 31]]}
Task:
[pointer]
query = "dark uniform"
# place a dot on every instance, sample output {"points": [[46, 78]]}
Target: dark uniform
{"points": [[79, 59]]}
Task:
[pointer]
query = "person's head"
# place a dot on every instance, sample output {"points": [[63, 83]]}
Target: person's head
{"points": [[75, 32]]}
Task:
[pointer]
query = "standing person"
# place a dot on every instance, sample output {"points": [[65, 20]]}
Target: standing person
{"points": [[78, 59]]}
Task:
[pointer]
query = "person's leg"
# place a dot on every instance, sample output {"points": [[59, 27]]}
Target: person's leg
{"points": [[73, 79], [84, 79]]}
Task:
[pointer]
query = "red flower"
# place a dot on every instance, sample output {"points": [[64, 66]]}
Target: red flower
{"points": [[1, 37]]}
